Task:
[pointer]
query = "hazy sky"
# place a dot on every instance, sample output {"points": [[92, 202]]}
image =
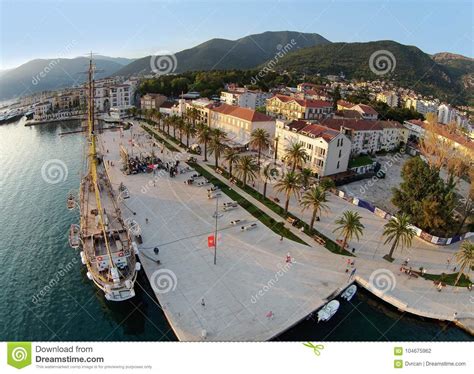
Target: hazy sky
{"points": [[68, 28]]}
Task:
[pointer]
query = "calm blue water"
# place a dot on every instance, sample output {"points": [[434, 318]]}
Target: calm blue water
{"points": [[45, 294]]}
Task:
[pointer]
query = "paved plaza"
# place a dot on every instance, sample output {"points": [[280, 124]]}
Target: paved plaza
{"points": [[252, 293]]}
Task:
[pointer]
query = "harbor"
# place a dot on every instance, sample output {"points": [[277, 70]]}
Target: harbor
{"points": [[63, 312]]}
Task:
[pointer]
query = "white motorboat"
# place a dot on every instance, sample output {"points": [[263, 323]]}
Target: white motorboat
{"points": [[328, 310], [349, 293]]}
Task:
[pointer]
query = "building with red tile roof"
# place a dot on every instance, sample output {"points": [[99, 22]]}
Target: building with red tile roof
{"points": [[239, 123], [328, 150], [292, 108]]}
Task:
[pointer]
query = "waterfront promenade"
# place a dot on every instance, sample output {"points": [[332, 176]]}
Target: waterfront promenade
{"points": [[244, 297]]}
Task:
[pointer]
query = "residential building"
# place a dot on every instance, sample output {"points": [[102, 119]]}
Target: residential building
{"points": [[239, 123], [328, 150], [120, 95], [388, 97], [369, 136], [366, 111], [41, 110], [203, 106], [290, 108], [152, 101], [420, 105], [244, 98]]}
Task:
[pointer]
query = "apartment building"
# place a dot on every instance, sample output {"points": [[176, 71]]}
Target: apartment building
{"points": [[203, 107], [291, 108], [239, 123], [388, 97], [368, 136], [244, 98], [152, 101], [328, 150]]}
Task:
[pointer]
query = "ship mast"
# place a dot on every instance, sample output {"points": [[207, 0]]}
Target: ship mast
{"points": [[93, 159]]}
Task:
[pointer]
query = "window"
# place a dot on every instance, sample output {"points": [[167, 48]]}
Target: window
{"points": [[340, 152], [337, 167]]}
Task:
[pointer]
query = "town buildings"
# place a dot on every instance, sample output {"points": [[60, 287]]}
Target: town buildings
{"points": [[239, 123], [152, 101], [328, 150], [239, 96], [290, 108]]}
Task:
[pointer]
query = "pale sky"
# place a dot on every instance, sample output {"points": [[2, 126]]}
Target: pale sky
{"points": [[49, 29]]}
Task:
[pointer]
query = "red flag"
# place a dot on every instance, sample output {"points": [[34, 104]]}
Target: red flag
{"points": [[210, 241]]}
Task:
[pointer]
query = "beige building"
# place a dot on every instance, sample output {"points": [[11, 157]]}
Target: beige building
{"points": [[290, 108], [239, 123], [388, 97], [152, 101], [328, 150]]}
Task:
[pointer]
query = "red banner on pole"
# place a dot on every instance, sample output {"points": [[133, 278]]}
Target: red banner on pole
{"points": [[210, 241]]}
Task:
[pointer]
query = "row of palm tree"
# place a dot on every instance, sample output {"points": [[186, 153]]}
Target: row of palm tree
{"points": [[398, 231]]}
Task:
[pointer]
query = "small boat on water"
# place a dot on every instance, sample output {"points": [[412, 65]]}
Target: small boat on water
{"points": [[328, 311], [75, 236], [349, 293], [71, 201]]}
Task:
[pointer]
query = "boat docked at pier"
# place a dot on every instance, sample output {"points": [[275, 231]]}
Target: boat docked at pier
{"points": [[106, 245]]}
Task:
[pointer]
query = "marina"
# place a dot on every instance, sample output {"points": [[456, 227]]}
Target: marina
{"points": [[140, 318]]}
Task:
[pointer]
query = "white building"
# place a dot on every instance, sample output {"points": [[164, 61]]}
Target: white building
{"points": [[368, 136], [328, 150], [245, 98]]}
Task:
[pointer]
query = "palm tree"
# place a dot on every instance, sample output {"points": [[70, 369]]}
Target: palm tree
{"points": [[231, 156], [314, 199], [269, 171], [327, 184], [216, 145], [399, 232], [179, 125], [189, 130], [246, 169], [295, 155], [306, 177], [192, 115], [465, 258], [290, 185], [260, 139], [349, 226], [203, 136]]}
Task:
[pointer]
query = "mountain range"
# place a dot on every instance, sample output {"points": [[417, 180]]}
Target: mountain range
{"points": [[50, 74], [444, 75]]}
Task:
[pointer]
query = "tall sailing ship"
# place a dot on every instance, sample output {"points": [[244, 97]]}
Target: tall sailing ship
{"points": [[108, 251]]}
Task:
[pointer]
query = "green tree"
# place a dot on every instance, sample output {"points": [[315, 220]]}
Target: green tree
{"points": [[426, 197], [246, 169], [290, 184], [189, 130], [465, 259], [327, 184], [295, 155], [260, 139], [231, 156], [268, 171], [349, 226], [399, 232], [216, 144], [314, 199], [204, 136], [306, 177]]}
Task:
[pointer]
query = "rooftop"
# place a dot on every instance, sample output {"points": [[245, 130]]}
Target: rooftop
{"points": [[242, 113]]}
